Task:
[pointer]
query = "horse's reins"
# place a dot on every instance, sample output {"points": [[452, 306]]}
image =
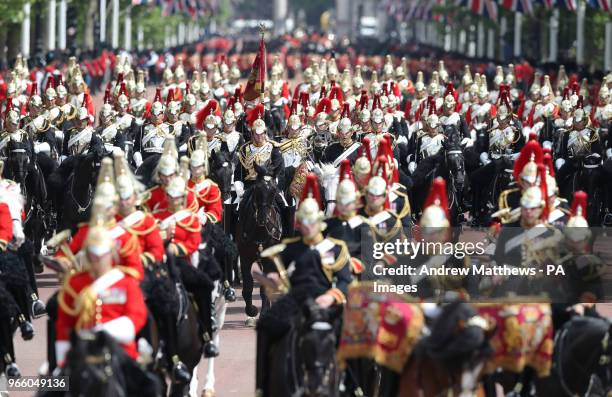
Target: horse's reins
{"points": [[80, 209]]}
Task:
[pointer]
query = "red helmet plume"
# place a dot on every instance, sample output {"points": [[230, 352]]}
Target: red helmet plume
{"points": [[437, 195], [34, 89], [311, 189], [206, 111], [323, 92], [157, 97], [257, 112], [294, 107], [579, 204], [170, 96], [336, 93], [346, 171], [532, 149], [363, 100], [304, 100], [346, 111], [376, 102], [324, 105], [548, 162], [365, 149], [544, 189], [50, 83]]}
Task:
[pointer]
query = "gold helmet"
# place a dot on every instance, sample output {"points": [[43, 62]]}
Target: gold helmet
{"points": [[537, 196], [199, 157], [99, 240], [127, 184], [358, 79], [499, 76], [363, 164], [309, 211], [105, 187], [168, 164], [347, 191], [546, 89], [562, 79], [466, 80], [442, 72], [435, 212], [377, 185], [178, 185], [526, 165], [577, 227], [434, 84]]}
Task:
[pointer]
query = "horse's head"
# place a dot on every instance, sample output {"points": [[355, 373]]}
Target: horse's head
{"points": [[221, 172], [456, 163], [94, 365], [19, 155], [264, 193], [317, 349], [328, 178], [459, 344]]}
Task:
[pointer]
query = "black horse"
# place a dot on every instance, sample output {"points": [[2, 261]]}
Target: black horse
{"points": [[303, 362], [259, 226], [96, 366], [73, 185], [449, 164], [585, 175], [581, 360]]}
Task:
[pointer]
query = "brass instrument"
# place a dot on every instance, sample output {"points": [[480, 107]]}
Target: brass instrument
{"points": [[272, 253]]}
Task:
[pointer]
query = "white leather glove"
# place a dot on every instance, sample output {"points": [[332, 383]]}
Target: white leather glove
{"points": [[608, 153], [59, 134], [183, 148], [559, 163], [42, 147], [239, 188], [412, 167], [484, 158], [547, 145], [18, 236], [137, 159], [62, 158], [467, 142]]}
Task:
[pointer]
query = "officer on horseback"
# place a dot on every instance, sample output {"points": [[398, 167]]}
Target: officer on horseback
{"points": [[13, 276], [344, 147], [346, 225], [306, 267], [181, 231], [149, 140], [581, 150], [157, 286]]}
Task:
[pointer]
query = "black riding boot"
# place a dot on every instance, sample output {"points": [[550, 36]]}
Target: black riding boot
{"points": [[203, 300], [8, 349], [180, 372], [25, 325], [51, 337]]}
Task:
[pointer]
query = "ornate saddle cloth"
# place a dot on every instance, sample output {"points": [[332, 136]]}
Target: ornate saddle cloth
{"points": [[383, 327], [524, 336]]}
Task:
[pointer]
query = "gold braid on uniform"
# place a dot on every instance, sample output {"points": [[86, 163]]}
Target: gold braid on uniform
{"points": [[188, 225], [340, 262], [406, 208], [130, 247], [61, 300], [85, 307]]}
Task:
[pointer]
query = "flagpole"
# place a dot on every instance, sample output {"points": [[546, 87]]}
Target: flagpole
{"points": [[580, 33], [262, 32]]}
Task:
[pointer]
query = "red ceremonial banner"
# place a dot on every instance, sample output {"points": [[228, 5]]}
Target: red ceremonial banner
{"points": [[257, 78]]}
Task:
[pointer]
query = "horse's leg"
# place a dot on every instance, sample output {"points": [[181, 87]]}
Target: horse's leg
{"points": [[193, 384], [246, 260]]}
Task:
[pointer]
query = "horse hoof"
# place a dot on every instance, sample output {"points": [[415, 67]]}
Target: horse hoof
{"points": [[250, 322], [251, 311], [38, 309], [208, 393], [211, 350], [230, 294], [27, 330]]}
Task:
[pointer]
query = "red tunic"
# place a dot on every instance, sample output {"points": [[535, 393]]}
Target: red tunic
{"points": [[187, 237], [113, 303], [158, 202], [209, 199], [129, 249], [6, 226], [145, 227]]}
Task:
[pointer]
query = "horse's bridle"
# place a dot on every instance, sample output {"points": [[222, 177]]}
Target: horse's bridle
{"points": [[604, 360], [81, 209]]}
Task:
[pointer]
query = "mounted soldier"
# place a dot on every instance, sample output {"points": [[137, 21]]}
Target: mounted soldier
{"points": [[307, 267], [149, 140]]}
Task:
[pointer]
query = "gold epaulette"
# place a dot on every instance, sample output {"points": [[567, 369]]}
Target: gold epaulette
{"points": [[187, 224], [132, 229], [66, 288], [502, 202], [343, 257], [130, 272], [290, 240], [130, 246], [406, 208]]}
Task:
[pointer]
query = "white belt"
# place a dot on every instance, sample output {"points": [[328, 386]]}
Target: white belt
{"points": [[154, 150], [454, 152]]}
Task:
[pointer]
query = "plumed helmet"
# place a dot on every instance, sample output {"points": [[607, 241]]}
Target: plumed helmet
{"points": [[435, 212], [309, 211]]}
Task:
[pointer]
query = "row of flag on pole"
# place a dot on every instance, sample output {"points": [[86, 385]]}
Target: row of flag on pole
{"points": [[425, 9], [192, 8]]}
